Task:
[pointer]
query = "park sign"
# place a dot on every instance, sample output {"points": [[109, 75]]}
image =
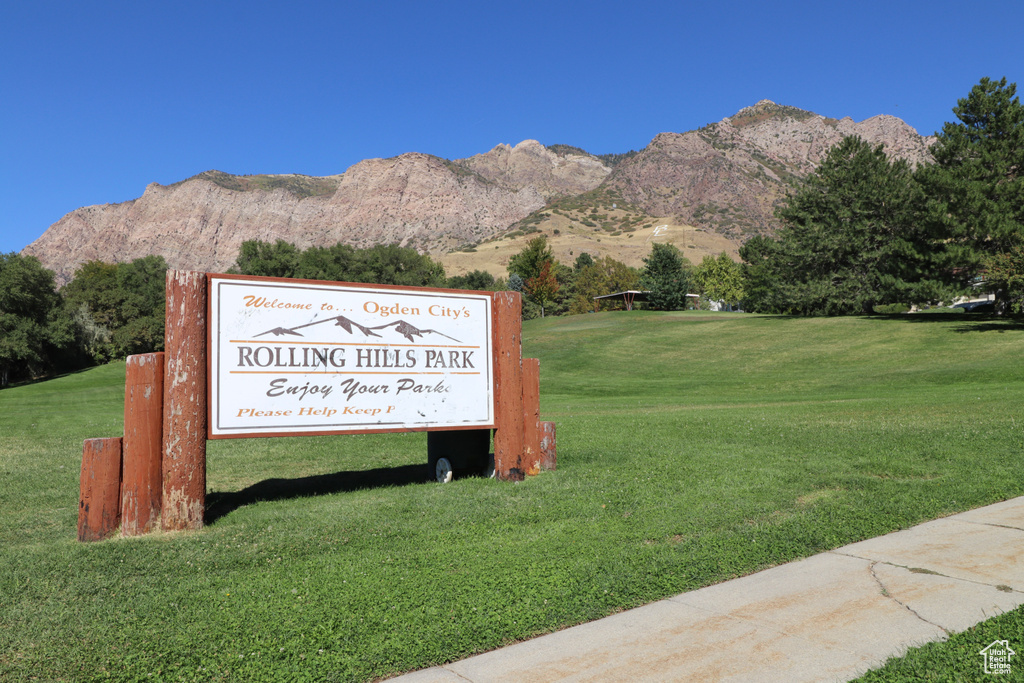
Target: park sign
{"points": [[293, 357], [247, 356]]}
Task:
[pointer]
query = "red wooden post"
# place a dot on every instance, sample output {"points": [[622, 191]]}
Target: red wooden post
{"points": [[547, 446], [141, 488], [99, 503], [508, 386], [185, 417], [531, 416]]}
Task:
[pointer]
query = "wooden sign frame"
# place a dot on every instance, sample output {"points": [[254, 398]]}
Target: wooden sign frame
{"points": [[163, 452], [403, 359]]}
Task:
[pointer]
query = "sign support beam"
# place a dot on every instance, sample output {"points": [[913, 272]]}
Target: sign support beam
{"points": [[142, 485], [508, 387], [185, 401]]}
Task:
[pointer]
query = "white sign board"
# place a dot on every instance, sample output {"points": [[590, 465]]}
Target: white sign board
{"points": [[297, 357]]}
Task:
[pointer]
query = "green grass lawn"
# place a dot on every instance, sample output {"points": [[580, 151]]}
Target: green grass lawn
{"points": [[959, 658], [692, 448]]}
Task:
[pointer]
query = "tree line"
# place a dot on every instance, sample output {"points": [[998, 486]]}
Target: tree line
{"points": [[112, 310], [668, 279], [108, 311]]}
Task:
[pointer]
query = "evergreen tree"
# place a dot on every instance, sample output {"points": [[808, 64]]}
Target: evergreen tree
{"points": [[976, 186], [665, 278], [582, 261], [763, 271], [850, 239]]}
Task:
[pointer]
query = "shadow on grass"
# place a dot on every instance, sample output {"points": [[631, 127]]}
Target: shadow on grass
{"points": [[47, 378], [964, 322], [221, 503], [960, 321]]}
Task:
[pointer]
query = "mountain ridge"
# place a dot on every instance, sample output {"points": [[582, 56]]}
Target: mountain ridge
{"points": [[725, 178]]}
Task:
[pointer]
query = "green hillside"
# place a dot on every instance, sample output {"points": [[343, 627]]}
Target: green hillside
{"points": [[692, 448]]}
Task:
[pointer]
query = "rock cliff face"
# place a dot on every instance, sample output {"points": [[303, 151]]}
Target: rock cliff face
{"points": [[729, 176], [530, 164], [726, 177], [414, 200]]}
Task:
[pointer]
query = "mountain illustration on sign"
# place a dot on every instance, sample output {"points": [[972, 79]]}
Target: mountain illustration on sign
{"points": [[410, 332]]}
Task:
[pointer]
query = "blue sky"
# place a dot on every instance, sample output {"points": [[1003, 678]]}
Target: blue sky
{"points": [[97, 100]]}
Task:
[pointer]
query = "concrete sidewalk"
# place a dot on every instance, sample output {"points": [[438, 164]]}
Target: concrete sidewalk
{"points": [[830, 617]]}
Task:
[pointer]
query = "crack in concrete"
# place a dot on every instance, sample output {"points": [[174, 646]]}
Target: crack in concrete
{"points": [[998, 526], [886, 593], [457, 674], [920, 570]]}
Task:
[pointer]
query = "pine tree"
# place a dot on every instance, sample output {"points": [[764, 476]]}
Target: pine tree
{"points": [[665, 278], [850, 239], [976, 186]]}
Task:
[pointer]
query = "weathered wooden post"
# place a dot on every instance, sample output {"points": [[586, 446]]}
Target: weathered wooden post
{"points": [[508, 386], [99, 502], [141, 487], [547, 446], [531, 416], [185, 416]]}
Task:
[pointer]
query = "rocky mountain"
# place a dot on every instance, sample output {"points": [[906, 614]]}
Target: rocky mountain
{"points": [[726, 177], [730, 176], [530, 164]]}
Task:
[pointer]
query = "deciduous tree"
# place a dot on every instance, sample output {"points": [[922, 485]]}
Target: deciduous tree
{"points": [[478, 280], [719, 279], [385, 264], [543, 288], [119, 306], [528, 262], [394, 265], [606, 275], [30, 326], [256, 257], [336, 263]]}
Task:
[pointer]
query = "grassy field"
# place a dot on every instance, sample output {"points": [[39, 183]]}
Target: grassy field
{"points": [[692, 448], [959, 658]]}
